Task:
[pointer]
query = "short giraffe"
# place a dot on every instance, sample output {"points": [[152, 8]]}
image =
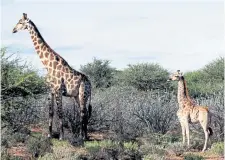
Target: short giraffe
{"points": [[188, 112], [62, 79]]}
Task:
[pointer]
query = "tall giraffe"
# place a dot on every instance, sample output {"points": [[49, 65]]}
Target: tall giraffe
{"points": [[61, 79], [188, 112]]}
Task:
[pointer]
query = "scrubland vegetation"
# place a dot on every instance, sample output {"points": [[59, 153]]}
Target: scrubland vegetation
{"points": [[134, 113]]}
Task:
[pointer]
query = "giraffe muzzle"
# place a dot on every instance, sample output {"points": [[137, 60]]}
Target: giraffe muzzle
{"points": [[14, 30]]}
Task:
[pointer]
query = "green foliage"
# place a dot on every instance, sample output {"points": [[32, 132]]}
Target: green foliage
{"points": [[214, 71], [18, 79], [208, 80], [193, 157], [100, 72], [38, 145], [146, 76], [62, 150], [133, 146], [217, 148], [95, 146], [108, 149]]}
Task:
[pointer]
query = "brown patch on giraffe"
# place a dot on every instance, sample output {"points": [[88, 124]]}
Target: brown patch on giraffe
{"points": [[40, 41], [67, 76], [75, 78], [58, 74], [72, 86], [63, 69], [41, 55], [46, 53], [44, 48], [50, 64], [35, 39], [67, 70], [37, 47], [59, 67], [55, 80], [35, 43], [53, 73], [50, 70], [51, 56], [45, 62], [32, 37], [54, 64]]}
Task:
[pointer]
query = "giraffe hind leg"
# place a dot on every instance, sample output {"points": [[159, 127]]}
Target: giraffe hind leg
{"points": [[205, 129], [83, 115], [51, 112], [60, 113], [83, 121]]}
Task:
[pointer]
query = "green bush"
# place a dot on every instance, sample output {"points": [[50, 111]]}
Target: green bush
{"points": [[38, 145], [206, 81], [146, 76], [193, 157], [217, 148], [100, 72]]}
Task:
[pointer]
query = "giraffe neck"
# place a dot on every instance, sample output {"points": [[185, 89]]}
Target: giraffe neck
{"points": [[181, 95], [39, 43], [50, 59]]}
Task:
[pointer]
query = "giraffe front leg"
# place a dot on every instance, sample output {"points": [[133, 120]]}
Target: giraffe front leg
{"points": [[187, 132], [51, 112], [83, 119], [183, 131], [84, 122], [60, 113], [204, 126]]}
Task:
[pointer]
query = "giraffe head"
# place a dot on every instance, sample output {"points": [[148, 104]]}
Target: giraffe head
{"points": [[176, 76], [23, 24]]}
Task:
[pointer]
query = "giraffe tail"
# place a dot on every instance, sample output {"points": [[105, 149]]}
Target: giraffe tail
{"points": [[89, 108], [210, 131], [89, 111]]}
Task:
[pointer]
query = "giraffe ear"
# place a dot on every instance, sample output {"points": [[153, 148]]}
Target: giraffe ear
{"points": [[24, 16]]}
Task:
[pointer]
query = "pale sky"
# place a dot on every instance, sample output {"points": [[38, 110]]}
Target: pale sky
{"points": [[182, 34]]}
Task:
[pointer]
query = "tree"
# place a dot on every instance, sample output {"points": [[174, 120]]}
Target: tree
{"points": [[208, 80], [146, 76], [19, 79], [100, 73]]}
